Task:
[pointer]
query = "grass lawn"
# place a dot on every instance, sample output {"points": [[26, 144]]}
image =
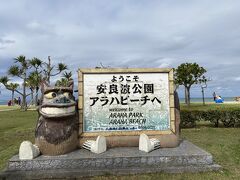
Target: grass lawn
{"points": [[6, 107], [222, 143], [15, 127]]}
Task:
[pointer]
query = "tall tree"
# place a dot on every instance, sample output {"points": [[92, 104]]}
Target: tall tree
{"points": [[62, 82], [50, 70], [31, 83], [20, 70], [9, 86], [13, 87], [188, 74], [34, 80], [36, 76], [67, 77]]}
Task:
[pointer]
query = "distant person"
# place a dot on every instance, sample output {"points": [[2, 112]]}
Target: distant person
{"points": [[19, 101], [214, 96]]}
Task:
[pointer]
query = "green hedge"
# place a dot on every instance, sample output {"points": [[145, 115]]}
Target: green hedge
{"points": [[229, 118]]}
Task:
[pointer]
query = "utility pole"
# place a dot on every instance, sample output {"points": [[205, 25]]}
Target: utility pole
{"points": [[203, 86]]}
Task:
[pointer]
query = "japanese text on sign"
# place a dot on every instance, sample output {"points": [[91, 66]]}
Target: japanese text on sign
{"points": [[114, 102]]}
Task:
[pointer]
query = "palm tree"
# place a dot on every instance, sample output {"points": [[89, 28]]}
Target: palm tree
{"points": [[30, 85], [36, 63], [13, 87], [48, 70], [36, 76], [20, 71], [62, 82], [67, 77], [4, 80], [33, 81]]}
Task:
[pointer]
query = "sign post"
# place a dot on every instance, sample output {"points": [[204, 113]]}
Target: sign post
{"points": [[121, 104]]}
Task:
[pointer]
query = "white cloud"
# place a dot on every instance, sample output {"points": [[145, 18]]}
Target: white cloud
{"points": [[237, 78], [136, 33], [5, 42], [33, 25], [164, 65]]}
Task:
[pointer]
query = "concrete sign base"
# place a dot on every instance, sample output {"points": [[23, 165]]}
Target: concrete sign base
{"points": [[117, 161]]}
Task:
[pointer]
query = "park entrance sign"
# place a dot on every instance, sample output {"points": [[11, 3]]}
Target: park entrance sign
{"points": [[121, 104], [125, 102]]}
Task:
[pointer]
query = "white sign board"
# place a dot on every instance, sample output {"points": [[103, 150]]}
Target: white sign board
{"points": [[126, 102]]}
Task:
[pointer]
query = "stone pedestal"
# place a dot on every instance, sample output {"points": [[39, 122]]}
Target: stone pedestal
{"points": [[123, 160]]}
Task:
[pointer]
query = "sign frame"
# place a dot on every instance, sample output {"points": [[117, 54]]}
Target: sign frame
{"points": [[83, 71]]}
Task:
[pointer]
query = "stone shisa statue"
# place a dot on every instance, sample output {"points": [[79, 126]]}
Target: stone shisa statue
{"points": [[56, 132], [57, 128]]}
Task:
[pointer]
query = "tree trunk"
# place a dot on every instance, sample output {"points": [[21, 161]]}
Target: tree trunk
{"points": [[12, 97], [185, 95], [49, 70], [203, 98], [31, 96], [36, 97], [24, 103], [188, 95]]}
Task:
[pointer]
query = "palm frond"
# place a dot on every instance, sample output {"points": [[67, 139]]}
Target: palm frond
{"points": [[4, 80], [35, 62], [67, 75], [63, 82], [14, 70], [22, 60], [61, 67], [12, 86]]}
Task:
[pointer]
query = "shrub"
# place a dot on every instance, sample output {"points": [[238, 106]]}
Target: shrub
{"points": [[187, 120], [229, 118]]}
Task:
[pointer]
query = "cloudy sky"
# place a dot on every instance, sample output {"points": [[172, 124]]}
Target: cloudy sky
{"points": [[133, 33]]}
